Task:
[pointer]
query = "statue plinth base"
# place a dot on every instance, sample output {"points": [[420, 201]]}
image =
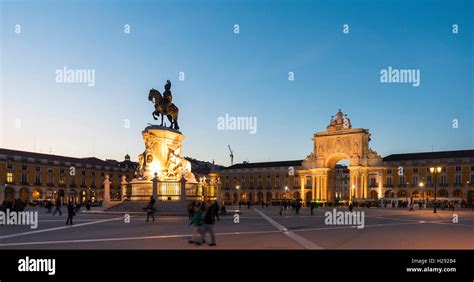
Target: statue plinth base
{"points": [[163, 172]]}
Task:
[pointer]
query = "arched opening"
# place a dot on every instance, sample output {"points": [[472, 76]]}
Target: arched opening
{"points": [[236, 198], [457, 193], [269, 197], [287, 195], [389, 194], [49, 195], [83, 196], [9, 194], [72, 196], [277, 195], [443, 193], [251, 197], [402, 194], [338, 178], [296, 196], [24, 195], [243, 197], [259, 197], [60, 195], [428, 193], [374, 194], [416, 194], [93, 195], [227, 198], [37, 194]]}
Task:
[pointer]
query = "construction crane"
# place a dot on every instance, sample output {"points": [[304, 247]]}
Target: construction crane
{"points": [[231, 156]]}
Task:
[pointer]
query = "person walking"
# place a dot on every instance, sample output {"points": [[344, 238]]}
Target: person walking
{"points": [[248, 204], [281, 210], [351, 207], [70, 213], [58, 207], [297, 208], [240, 205], [49, 207], [312, 208], [208, 227], [223, 210], [196, 222], [150, 209]]}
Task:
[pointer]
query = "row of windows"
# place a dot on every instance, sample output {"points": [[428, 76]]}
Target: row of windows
{"points": [[457, 168], [49, 179], [9, 166], [429, 180]]}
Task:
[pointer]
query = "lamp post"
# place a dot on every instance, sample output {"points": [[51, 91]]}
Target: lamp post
{"points": [[434, 171], [421, 184]]}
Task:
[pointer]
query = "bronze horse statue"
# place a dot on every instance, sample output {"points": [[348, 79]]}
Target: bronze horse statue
{"points": [[164, 106]]}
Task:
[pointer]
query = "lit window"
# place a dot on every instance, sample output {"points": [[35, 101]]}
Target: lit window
{"points": [[9, 177]]}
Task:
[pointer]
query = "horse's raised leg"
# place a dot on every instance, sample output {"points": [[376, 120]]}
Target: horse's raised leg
{"points": [[176, 124], [170, 118], [161, 120], [153, 114]]}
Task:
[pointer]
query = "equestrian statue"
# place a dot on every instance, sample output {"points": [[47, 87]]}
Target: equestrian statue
{"points": [[164, 105]]}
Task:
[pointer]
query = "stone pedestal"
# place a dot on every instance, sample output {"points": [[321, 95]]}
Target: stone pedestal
{"points": [[163, 172], [123, 184]]}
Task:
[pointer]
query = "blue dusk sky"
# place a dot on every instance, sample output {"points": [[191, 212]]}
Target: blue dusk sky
{"points": [[242, 75]]}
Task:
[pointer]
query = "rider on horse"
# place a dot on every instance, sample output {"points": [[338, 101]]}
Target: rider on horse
{"points": [[167, 97]]}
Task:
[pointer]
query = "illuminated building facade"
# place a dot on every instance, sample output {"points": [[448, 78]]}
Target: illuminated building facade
{"points": [[36, 177]]}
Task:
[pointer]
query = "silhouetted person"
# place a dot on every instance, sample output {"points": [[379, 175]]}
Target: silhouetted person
{"points": [[208, 226], [197, 222], [312, 208], [150, 208], [70, 213], [58, 207], [223, 210]]}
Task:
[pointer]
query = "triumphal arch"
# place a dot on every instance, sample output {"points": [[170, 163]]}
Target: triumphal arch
{"points": [[340, 141]]}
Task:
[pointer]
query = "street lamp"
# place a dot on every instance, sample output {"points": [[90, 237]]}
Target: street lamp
{"points": [[435, 171]]}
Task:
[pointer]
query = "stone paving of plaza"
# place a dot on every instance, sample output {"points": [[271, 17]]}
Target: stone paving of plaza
{"points": [[258, 228]]}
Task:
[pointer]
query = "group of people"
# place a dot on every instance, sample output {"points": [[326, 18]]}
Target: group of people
{"points": [[71, 209], [295, 206], [203, 217], [249, 204], [17, 205]]}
